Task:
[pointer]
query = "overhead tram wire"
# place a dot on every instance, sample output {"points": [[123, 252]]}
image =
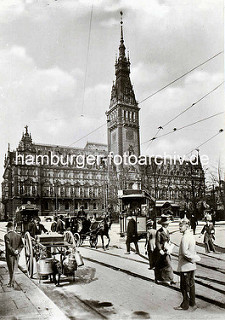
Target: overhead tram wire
{"points": [[87, 134], [87, 58], [188, 125], [183, 75], [182, 112], [163, 89], [161, 127], [220, 131], [193, 104]]}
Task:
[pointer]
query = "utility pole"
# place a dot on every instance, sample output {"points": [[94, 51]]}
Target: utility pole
{"points": [[214, 198], [193, 191]]}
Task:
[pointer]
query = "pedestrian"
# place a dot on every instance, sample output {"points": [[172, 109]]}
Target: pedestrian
{"points": [[163, 267], [209, 236], [213, 214], [60, 228], [150, 243], [54, 224], [86, 224], [37, 228], [81, 213], [193, 223], [13, 247], [132, 235], [187, 265]]}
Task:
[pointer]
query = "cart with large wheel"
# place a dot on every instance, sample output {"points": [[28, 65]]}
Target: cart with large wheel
{"points": [[41, 251]]}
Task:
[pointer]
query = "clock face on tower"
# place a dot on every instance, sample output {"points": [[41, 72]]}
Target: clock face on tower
{"points": [[129, 135]]}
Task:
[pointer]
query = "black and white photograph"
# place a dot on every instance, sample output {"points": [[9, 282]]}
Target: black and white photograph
{"points": [[112, 161]]}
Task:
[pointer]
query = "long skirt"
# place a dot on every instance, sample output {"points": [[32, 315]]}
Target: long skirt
{"points": [[163, 268], [209, 245]]}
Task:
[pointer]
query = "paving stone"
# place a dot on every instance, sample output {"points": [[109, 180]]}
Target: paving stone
{"points": [[13, 295], [26, 303], [7, 289], [21, 303], [5, 281], [8, 308]]}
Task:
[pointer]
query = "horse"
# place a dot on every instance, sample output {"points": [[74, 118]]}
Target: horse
{"points": [[103, 230]]}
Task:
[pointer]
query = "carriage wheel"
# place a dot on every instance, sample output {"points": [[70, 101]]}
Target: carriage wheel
{"points": [[82, 240], [69, 238], [29, 255], [77, 239]]}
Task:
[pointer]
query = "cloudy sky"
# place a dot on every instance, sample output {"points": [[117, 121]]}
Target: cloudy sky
{"points": [[44, 58]]}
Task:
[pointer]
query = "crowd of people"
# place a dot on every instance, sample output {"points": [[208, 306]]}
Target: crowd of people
{"points": [[158, 247]]}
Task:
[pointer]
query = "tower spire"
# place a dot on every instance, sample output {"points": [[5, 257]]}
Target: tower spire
{"points": [[122, 46], [121, 22]]}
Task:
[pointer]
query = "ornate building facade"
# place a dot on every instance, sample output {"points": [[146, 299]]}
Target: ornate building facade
{"points": [[65, 187], [55, 189]]}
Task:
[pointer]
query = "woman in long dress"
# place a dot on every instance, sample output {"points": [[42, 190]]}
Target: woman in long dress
{"points": [[163, 267]]}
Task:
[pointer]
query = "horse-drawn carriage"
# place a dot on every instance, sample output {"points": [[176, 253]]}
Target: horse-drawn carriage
{"points": [[89, 230], [24, 215]]}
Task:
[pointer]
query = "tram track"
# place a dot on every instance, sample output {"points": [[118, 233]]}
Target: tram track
{"points": [[144, 257], [197, 281], [133, 274]]}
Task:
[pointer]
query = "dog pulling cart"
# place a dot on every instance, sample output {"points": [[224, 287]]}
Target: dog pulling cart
{"points": [[40, 253]]}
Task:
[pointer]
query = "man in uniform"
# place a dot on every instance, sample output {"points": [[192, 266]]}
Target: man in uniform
{"points": [[13, 247]]}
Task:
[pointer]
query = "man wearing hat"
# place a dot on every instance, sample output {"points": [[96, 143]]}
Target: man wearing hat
{"points": [[13, 247], [187, 265], [60, 227], [132, 235], [163, 267], [150, 243], [209, 235]]}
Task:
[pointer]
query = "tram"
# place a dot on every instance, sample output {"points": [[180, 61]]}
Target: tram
{"points": [[140, 205]]}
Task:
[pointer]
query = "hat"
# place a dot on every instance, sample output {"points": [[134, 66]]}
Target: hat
{"points": [[164, 219], [9, 224], [149, 222]]}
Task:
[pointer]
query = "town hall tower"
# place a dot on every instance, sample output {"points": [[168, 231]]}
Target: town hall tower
{"points": [[123, 113]]}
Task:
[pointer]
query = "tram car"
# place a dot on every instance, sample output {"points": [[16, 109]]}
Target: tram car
{"points": [[24, 214], [138, 204]]}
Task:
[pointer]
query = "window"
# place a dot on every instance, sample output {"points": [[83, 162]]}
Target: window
{"points": [[46, 206], [56, 205], [85, 205], [94, 206], [67, 205]]}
